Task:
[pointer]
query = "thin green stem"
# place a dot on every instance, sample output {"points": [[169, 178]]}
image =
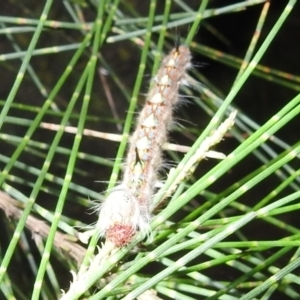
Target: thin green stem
{"points": [[25, 62]]}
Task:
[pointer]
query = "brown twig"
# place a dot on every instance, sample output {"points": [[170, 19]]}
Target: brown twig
{"points": [[40, 230]]}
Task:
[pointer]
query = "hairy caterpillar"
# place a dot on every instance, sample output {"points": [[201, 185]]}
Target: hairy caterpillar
{"points": [[127, 208]]}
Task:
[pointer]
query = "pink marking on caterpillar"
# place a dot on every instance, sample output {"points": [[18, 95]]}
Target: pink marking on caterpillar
{"points": [[127, 208]]}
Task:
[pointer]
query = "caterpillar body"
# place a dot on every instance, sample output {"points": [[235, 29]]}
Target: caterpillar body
{"points": [[127, 208]]}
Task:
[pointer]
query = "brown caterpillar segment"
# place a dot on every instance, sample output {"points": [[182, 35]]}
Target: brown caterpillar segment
{"points": [[151, 131], [144, 158]]}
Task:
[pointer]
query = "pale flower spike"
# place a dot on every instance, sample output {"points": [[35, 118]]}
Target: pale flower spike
{"points": [[203, 152]]}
